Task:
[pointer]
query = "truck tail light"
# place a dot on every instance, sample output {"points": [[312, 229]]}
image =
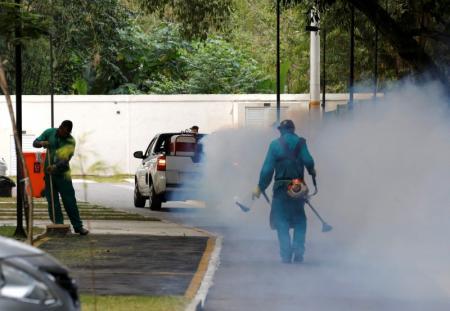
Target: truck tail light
{"points": [[161, 163]]}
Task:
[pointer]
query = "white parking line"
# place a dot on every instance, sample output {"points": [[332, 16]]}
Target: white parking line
{"points": [[81, 181], [200, 297]]}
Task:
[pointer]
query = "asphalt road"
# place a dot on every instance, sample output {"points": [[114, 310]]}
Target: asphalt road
{"points": [[251, 277]]}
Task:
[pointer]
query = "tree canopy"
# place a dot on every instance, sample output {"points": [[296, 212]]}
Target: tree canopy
{"points": [[217, 46]]}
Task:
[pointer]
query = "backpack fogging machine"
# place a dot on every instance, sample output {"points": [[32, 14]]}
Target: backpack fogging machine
{"points": [[296, 189]]}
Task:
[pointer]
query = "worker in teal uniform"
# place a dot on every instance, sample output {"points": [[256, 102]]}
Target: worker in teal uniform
{"points": [[60, 147], [285, 161]]}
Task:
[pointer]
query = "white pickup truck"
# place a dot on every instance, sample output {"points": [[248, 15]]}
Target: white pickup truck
{"points": [[169, 171]]}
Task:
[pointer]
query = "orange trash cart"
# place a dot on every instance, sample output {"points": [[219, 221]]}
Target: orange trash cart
{"points": [[35, 163]]}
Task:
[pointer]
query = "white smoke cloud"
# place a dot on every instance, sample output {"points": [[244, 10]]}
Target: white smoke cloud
{"points": [[384, 184]]}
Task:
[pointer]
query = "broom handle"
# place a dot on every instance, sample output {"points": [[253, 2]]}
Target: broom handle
{"points": [[52, 201]]}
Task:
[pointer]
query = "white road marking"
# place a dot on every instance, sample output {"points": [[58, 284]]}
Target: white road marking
{"points": [[86, 181], [207, 281]]}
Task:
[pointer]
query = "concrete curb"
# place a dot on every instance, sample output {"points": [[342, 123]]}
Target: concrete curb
{"points": [[40, 239], [203, 279]]}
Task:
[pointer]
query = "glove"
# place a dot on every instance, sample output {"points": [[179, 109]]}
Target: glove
{"points": [[256, 193], [44, 144], [50, 169]]}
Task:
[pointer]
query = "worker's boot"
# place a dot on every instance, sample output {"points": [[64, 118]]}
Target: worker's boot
{"points": [[298, 258], [82, 231]]}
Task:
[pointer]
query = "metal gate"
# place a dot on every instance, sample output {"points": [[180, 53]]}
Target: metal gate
{"points": [[263, 116]]}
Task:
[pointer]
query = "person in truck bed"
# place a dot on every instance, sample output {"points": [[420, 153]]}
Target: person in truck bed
{"points": [[199, 147], [194, 130]]}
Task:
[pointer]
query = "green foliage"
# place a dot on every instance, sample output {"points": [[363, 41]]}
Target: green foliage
{"points": [[86, 36], [413, 36], [163, 62], [33, 26], [201, 46], [254, 31], [214, 66], [147, 57], [197, 17], [80, 86], [11, 15]]}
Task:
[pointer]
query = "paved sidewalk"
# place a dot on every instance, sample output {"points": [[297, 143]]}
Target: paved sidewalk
{"points": [[132, 257], [118, 227]]}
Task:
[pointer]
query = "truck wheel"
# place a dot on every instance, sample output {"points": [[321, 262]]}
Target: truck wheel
{"points": [[139, 200], [154, 199]]}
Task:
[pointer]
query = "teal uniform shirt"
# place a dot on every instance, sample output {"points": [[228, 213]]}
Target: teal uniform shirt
{"points": [[285, 210], [284, 168], [60, 150]]}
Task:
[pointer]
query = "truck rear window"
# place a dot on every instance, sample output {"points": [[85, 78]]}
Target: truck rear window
{"points": [[163, 143]]}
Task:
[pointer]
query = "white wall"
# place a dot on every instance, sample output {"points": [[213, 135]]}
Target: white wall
{"points": [[118, 125]]}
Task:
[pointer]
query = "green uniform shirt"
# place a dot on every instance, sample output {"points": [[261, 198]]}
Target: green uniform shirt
{"points": [[60, 150]]}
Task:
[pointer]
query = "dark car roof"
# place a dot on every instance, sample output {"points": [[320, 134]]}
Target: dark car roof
{"points": [[10, 247]]}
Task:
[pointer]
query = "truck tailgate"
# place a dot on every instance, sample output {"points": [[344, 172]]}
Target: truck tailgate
{"points": [[182, 170]]}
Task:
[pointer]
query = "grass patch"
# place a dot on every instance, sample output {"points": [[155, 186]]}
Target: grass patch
{"points": [[135, 303], [87, 211], [106, 179], [8, 231], [8, 199], [72, 257], [74, 251]]}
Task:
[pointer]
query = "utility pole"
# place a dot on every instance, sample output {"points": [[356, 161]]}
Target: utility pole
{"points": [[314, 60], [52, 85], [352, 56], [278, 63], [19, 232], [375, 65], [324, 81]]}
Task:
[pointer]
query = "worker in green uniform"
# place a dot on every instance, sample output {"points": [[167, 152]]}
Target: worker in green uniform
{"points": [[60, 147], [285, 162]]}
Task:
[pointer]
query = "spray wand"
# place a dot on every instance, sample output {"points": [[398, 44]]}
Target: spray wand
{"points": [[325, 226]]}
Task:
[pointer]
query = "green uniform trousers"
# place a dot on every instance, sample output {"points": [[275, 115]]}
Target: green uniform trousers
{"points": [[62, 186]]}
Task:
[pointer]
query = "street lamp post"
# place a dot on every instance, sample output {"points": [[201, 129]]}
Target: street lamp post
{"points": [[278, 63], [314, 58], [19, 232], [352, 56], [52, 85], [323, 68], [375, 66]]}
